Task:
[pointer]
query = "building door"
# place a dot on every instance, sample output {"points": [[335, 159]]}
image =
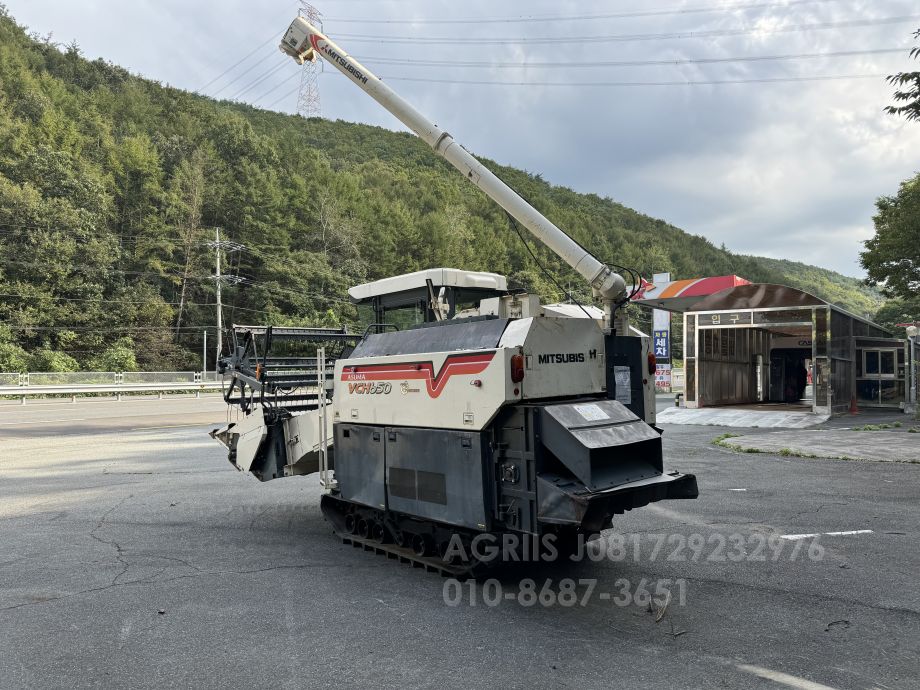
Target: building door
{"points": [[879, 374], [777, 376]]}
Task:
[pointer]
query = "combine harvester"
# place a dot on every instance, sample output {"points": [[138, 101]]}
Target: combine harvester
{"points": [[494, 415]]}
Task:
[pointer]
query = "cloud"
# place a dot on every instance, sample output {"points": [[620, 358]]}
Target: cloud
{"points": [[790, 170]]}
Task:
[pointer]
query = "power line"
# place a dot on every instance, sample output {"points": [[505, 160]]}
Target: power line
{"points": [[555, 40], [120, 301], [97, 329], [629, 63], [274, 37], [689, 82], [299, 293], [585, 17], [242, 74], [261, 78], [82, 268], [277, 86], [243, 280], [95, 234], [283, 98]]}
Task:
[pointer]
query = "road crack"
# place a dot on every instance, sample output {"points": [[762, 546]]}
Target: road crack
{"points": [[119, 552]]}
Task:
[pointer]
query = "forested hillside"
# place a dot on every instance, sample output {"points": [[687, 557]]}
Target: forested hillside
{"points": [[111, 187], [850, 293]]}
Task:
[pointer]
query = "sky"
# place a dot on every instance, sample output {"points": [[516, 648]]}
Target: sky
{"points": [[752, 153]]}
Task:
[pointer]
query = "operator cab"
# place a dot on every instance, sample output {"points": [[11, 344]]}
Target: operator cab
{"points": [[445, 294], [435, 294]]}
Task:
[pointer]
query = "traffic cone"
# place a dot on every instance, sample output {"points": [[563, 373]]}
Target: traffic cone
{"points": [[853, 407]]}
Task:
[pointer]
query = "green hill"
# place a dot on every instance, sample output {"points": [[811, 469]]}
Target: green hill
{"points": [[850, 293], [111, 185]]}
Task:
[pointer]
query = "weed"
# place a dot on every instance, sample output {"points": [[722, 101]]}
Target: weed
{"points": [[717, 441]]}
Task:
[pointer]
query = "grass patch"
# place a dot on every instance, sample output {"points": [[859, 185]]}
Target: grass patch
{"points": [[718, 440], [876, 427], [791, 453]]}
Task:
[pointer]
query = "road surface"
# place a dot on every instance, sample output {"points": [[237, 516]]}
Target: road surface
{"points": [[133, 554]]}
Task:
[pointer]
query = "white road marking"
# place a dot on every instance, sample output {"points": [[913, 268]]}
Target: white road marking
{"points": [[737, 489], [45, 421], [793, 537], [783, 678], [173, 426]]}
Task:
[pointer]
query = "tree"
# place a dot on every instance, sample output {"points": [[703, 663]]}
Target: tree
{"points": [[892, 256], [898, 311], [908, 89], [188, 199], [118, 357], [12, 357], [51, 360]]}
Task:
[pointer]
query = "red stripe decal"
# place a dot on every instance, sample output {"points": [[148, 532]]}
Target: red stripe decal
{"points": [[454, 365]]}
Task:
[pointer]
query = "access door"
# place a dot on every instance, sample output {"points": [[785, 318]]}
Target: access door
{"points": [[878, 382]]}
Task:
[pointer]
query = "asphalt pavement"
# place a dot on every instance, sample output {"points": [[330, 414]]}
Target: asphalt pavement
{"points": [[132, 554]]}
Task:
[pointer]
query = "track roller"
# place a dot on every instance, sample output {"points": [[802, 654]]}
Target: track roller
{"points": [[379, 533], [372, 530], [421, 544]]}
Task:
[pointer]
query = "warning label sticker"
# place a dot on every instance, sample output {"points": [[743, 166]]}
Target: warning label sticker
{"points": [[591, 412], [623, 380]]}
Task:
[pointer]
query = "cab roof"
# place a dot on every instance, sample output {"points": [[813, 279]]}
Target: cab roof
{"points": [[440, 277]]}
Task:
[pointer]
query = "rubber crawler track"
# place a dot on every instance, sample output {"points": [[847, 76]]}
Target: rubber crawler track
{"points": [[332, 511]]}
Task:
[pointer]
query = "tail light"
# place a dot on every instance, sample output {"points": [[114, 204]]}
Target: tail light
{"points": [[652, 364], [517, 368]]}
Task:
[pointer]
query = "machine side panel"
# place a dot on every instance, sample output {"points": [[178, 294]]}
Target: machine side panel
{"points": [[446, 390], [515, 436], [360, 468], [439, 475], [631, 353], [563, 357]]}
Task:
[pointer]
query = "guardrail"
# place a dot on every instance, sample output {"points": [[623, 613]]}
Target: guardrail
{"points": [[74, 383]]}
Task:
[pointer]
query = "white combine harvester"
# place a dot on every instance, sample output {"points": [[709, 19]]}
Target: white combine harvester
{"points": [[489, 414]]}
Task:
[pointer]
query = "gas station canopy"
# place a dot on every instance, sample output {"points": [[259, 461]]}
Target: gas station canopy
{"points": [[681, 295], [760, 343]]}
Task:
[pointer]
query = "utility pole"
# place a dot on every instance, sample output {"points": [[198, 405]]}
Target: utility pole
{"points": [[219, 279], [204, 353]]}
